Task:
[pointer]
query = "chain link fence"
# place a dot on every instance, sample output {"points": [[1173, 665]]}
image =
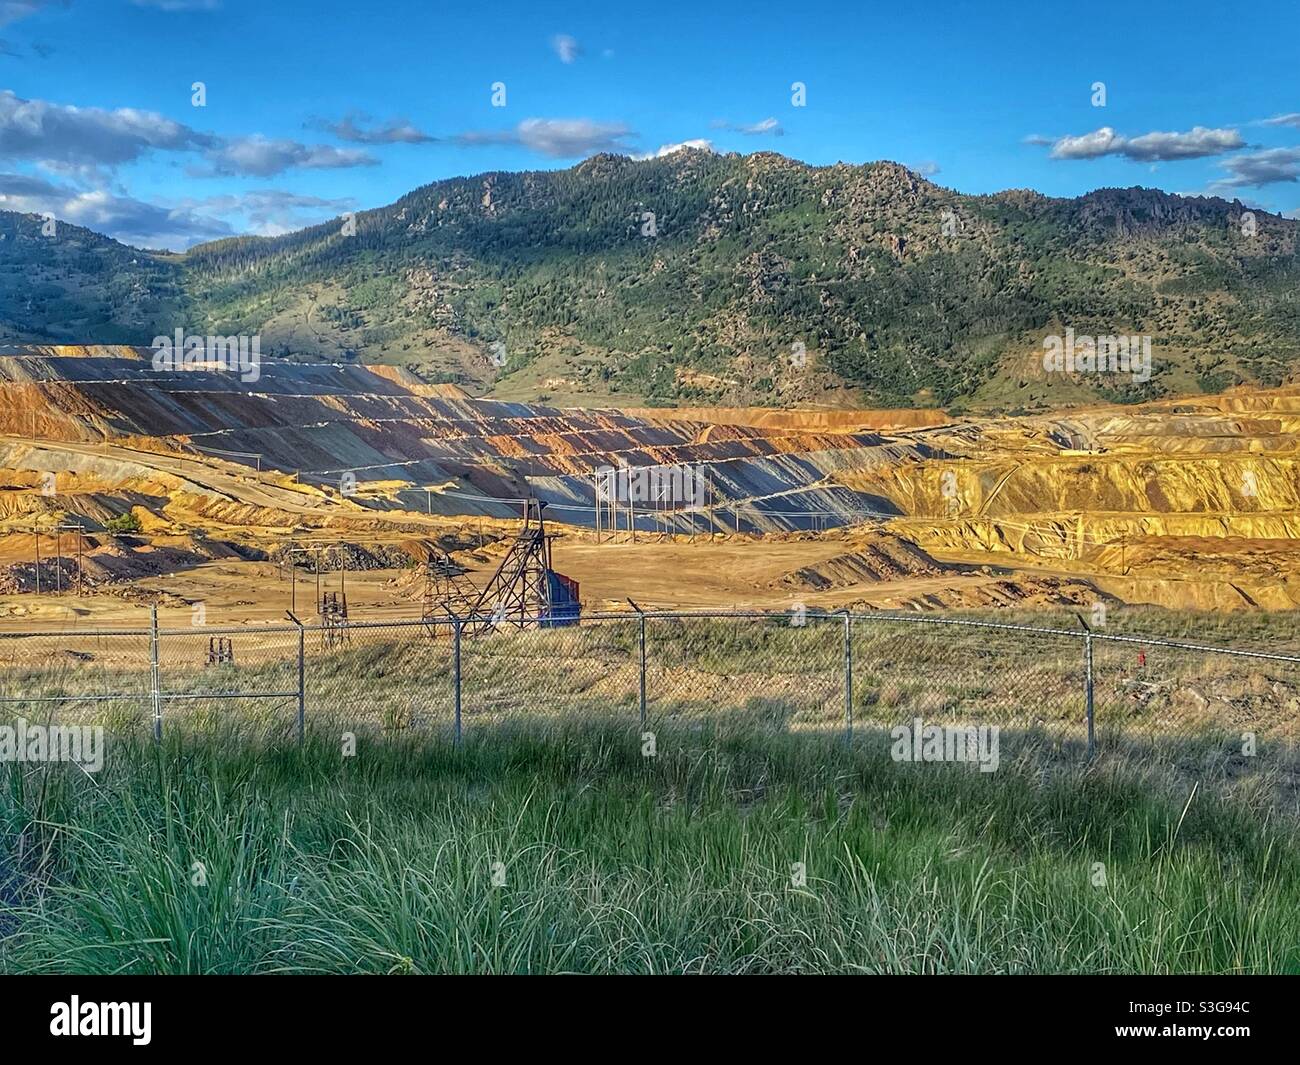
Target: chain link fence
{"points": [[906, 680]]}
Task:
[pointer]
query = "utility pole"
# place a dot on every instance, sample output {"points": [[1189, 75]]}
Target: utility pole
{"points": [[712, 515], [58, 559], [37, 533]]}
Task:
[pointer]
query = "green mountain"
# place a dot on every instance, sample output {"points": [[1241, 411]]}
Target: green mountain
{"points": [[702, 278]]}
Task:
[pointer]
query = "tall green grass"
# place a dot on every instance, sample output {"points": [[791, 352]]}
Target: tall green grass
{"points": [[608, 861]]}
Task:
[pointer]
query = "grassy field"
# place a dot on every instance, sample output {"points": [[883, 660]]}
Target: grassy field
{"points": [[572, 852]]}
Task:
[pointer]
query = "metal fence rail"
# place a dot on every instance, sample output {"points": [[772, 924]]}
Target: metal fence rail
{"points": [[1047, 690]]}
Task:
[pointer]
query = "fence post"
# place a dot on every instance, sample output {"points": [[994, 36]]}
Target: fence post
{"points": [[302, 674], [643, 672], [455, 674], [848, 676], [1087, 656], [155, 692], [641, 640]]}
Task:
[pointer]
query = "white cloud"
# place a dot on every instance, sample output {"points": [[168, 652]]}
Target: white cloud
{"points": [[179, 5], [558, 138], [1292, 119], [65, 136], [1196, 143], [566, 47], [394, 131], [270, 212], [668, 149], [564, 138], [1088, 146], [123, 218], [265, 212], [263, 156], [767, 126], [1256, 169], [13, 10], [37, 129]]}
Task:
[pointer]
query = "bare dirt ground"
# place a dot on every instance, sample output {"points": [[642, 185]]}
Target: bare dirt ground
{"points": [[721, 574], [708, 573]]}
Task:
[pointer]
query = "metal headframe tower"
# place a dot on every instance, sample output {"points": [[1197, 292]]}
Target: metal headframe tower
{"points": [[448, 591], [519, 591]]}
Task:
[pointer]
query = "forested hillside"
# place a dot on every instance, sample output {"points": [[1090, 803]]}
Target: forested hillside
{"points": [[710, 278]]}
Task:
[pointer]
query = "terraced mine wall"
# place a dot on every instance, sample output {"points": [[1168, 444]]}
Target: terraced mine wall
{"points": [[333, 425], [1194, 503], [1187, 503]]}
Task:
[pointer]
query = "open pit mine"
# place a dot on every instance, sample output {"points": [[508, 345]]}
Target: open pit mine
{"points": [[123, 485]]}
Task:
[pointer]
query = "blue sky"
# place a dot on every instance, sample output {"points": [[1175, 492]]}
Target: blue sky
{"points": [[317, 108]]}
